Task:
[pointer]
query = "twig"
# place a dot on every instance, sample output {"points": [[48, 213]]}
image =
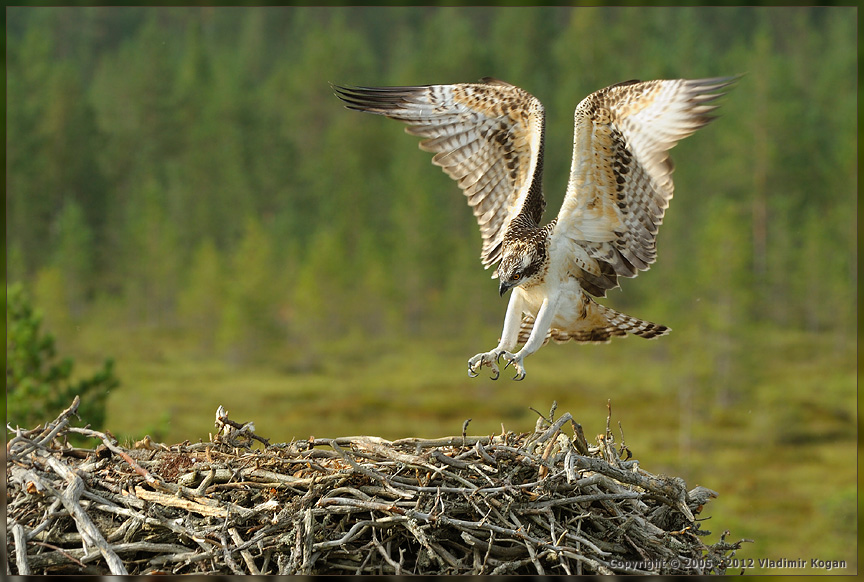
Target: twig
{"points": [[59, 556], [59, 424], [464, 430], [210, 509], [121, 453], [397, 566], [531, 552], [20, 549], [81, 558], [247, 557], [89, 532], [227, 555]]}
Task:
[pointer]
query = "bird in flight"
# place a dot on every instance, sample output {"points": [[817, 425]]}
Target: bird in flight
{"points": [[488, 136]]}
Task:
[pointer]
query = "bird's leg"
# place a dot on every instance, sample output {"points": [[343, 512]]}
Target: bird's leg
{"points": [[509, 337], [535, 340]]}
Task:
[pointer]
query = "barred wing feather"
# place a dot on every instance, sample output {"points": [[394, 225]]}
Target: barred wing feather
{"points": [[621, 176], [487, 136]]}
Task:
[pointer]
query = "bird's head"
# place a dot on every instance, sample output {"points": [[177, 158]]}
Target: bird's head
{"points": [[520, 265]]}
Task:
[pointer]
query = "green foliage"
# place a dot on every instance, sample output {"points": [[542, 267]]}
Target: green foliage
{"points": [[74, 256], [193, 120], [249, 320], [38, 386], [202, 297], [151, 271]]}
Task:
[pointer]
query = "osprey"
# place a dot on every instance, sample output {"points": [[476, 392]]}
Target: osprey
{"points": [[488, 136]]}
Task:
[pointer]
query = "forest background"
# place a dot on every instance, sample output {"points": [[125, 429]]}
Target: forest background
{"points": [[185, 194]]}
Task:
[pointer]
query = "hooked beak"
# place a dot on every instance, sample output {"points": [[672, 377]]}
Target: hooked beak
{"points": [[503, 286]]}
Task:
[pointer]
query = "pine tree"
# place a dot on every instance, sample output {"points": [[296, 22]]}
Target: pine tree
{"points": [[152, 257], [249, 326], [201, 301], [38, 386], [74, 256]]}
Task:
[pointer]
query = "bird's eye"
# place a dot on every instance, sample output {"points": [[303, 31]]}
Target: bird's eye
{"points": [[515, 276]]}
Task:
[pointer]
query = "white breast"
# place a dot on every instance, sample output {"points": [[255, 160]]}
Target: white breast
{"points": [[567, 296]]}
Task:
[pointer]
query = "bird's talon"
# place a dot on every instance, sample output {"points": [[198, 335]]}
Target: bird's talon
{"points": [[490, 359]]}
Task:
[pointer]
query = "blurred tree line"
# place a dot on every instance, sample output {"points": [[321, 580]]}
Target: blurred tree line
{"points": [[190, 169]]}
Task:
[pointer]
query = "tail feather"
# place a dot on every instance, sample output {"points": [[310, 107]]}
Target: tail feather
{"points": [[629, 324], [599, 325]]}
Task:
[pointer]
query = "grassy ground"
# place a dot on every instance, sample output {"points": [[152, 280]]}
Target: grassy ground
{"points": [[779, 446]]}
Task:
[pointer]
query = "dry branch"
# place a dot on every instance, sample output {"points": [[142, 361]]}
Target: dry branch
{"points": [[542, 502]]}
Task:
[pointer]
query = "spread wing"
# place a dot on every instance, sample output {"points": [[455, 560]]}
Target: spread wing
{"points": [[488, 136], [621, 176]]}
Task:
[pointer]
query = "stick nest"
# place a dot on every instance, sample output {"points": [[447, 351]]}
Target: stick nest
{"points": [[542, 502]]}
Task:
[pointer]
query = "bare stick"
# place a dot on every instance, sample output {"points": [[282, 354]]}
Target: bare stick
{"points": [[174, 501], [59, 424], [88, 529], [227, 555], [20, 549], [247, 557], [82, 558], [119, 452]]}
